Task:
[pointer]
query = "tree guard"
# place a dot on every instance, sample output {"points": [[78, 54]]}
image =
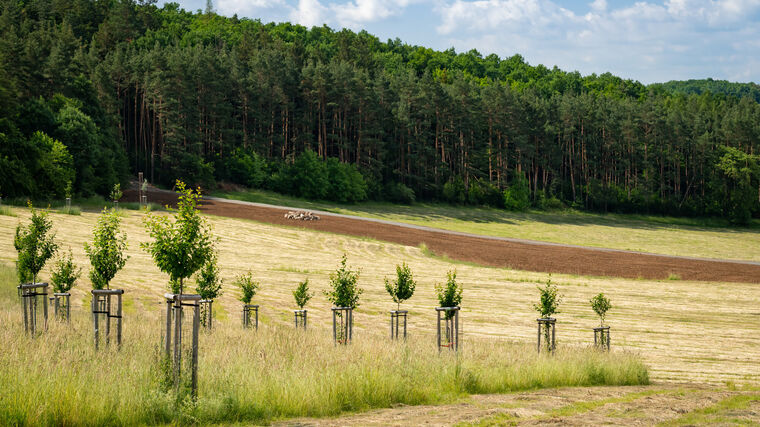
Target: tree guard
{"points": [[448, 334], [62, 305], [207, 306], [104, 307], [602, 338], [175, 305], [343, 324], [31, 296], [300, 318], [247, 310], [396, 320], [547, 325]]}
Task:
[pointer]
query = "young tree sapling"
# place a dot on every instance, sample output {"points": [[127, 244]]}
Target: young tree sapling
{"points": [[302, 294], [403, 288], [600, 304], [181, 246], [34, 244], [65, 273], [248, 286], [345, 292], [107, 250], [450, 294]]}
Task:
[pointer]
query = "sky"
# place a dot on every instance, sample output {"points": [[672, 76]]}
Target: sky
{"points": [[647, 40]]}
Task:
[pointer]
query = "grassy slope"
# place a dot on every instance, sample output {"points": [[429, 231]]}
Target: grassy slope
{"points": [[684, 330], [273, 373], [708, 238]]}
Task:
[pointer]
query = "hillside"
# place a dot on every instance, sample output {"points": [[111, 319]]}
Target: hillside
{"points": [[91, 93], [698, 87]]}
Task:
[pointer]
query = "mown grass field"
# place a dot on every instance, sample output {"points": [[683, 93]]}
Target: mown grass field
{"points": [[700, 237], [683, 331]]}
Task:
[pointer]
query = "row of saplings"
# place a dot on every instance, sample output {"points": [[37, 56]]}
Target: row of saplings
{"points": [[182, 246]]}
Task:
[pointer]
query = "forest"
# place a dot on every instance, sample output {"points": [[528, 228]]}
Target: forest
{"points": [[92, 92]]}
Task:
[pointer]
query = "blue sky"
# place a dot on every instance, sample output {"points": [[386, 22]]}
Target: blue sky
{"points": [[647, 40]]}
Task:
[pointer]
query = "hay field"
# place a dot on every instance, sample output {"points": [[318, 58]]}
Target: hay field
{"points": [[701, 238], [702, 332]]}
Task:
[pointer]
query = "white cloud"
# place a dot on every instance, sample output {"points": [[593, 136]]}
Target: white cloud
{"points": [[245, 7], [354, 13], [599, 5], [309, 13], [646, 40]]}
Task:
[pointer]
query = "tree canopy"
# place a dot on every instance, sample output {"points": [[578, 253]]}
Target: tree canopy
{"points": [[96, 91]]}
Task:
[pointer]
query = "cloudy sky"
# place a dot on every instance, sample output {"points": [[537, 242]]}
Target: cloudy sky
{"points": [[648, 40]]}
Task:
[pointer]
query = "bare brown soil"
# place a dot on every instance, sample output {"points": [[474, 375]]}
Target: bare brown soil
{"points": [[551, 258]]}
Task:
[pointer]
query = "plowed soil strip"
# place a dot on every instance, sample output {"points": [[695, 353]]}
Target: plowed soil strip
{"points": [[495, 252]]}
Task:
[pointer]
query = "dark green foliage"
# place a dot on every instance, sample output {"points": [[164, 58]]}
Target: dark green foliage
{"points": [[698, 87], [454, 191], [517, 195], [450, 294], [345, 292], [208, 282], [34, 244], [247, 286], [549, 300], [116, 192], [741, 172], [65, 273], [399, 193], [337, 115], [183, 244], [600, 304], [107, 250], [302, 294], [403, 288]]}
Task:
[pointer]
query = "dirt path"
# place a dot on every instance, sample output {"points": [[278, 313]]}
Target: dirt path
{"points": [[670, 404], [490, 251]]}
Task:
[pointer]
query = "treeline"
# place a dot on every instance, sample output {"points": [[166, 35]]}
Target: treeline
{"points": [[341, 115], [698, 87]]}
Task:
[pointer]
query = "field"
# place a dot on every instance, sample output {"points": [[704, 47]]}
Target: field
{"points": [[696, 332], [651, 234]]}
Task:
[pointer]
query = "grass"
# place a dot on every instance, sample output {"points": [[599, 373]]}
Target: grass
{"points": [[6, 210], [277, 372], [683, 330], [644, 233], [726, 412]]}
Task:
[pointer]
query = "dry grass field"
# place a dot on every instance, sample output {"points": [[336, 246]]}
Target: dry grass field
{"points": [[702, 332], [701, 238]]}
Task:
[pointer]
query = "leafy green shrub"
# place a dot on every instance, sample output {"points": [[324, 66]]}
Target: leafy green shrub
{"points": [[484, 193], [34, 245], [107, 250], [302, 294], [248, 286], [403, 288], [450, 294], [65, 274], [517, 196], [600, 304], [454, 191], [116, 193], [208, 282], [346, 183], [549, 300], [397, 192], [244, 167], [180, 247], [345, 292]]}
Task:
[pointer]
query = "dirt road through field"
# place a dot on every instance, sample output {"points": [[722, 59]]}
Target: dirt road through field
{"points": [[670, 404], [492, 251]]}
